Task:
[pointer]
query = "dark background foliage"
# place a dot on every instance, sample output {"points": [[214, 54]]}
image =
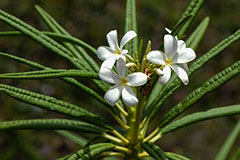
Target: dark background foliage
{"points": [[90, 20]]}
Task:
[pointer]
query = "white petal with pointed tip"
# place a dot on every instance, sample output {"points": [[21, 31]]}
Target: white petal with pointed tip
{"points": [[121, 67], [113, 40], [124, 52], [137, 79], [109, 76], [104, 52], [185, 56], [166, 75], [184, 66], [129, 97], [113, 94], [127, 37], [181, 46], [168, 30], [182, 74], [156, 57], [170, 45], [109, 63]]}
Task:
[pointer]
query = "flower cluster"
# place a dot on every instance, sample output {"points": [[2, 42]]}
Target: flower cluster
{"points": [[175, 57]]}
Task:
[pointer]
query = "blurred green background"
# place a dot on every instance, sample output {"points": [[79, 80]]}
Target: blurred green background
{"points": [[90, 20]]}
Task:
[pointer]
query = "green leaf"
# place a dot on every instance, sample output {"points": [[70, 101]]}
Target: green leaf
{"points": [[52, 104], [46, 42], [201, 116], [154, 150], [210, 85], [236, 155], [195, 38], [170, 88], [71, 81], [150, 151], [49, 73], [79, 140], [39, 37], [55, 36], [131, 24], [225, 149], [91, 151], [52, 124], [192, 9], [55, 27], [180, 24], [174, 156]]}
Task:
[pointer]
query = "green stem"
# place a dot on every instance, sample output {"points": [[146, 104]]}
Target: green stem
{"points": [[133, 133]]}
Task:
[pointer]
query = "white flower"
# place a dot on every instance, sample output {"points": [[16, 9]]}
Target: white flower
{"points": [[122, 83], [181, 47], [176, 56], [110, 54]]}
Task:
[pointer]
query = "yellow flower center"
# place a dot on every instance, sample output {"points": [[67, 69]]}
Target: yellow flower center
{"points": [[168, 61], [124, 81], [118, 52]]}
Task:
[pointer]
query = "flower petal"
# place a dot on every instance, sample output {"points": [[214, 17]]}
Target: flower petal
{"points": [[127, 37], [113, 40], [104, 52], [124, 52], [182, 74], [109, 63], [121, 66], [137, 79], [113, 94], [109, 76], [168, 30], [170, 45], [181, 46], [159, 72], [166, 75], [184, 66], [156, 57], [129, 97], [185, 56]]}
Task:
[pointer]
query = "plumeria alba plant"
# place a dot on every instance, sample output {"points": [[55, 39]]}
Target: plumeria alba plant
{"points": [[134, 80]]}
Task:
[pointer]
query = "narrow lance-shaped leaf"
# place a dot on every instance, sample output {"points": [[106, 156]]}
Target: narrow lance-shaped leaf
{"points": [[39, 37], [177, 28], [174, 156], [197, 35], [49, 73], [150, 151], [56, 36], [154, 150], [91, 151], [236, 155], [52, 104], [47, 42], [170, 88], [131, 24], [55, 27], [210, 85], [79, 140], [51, 124], [192, 9], [71, 81], [231, 139], [201, 116]]}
